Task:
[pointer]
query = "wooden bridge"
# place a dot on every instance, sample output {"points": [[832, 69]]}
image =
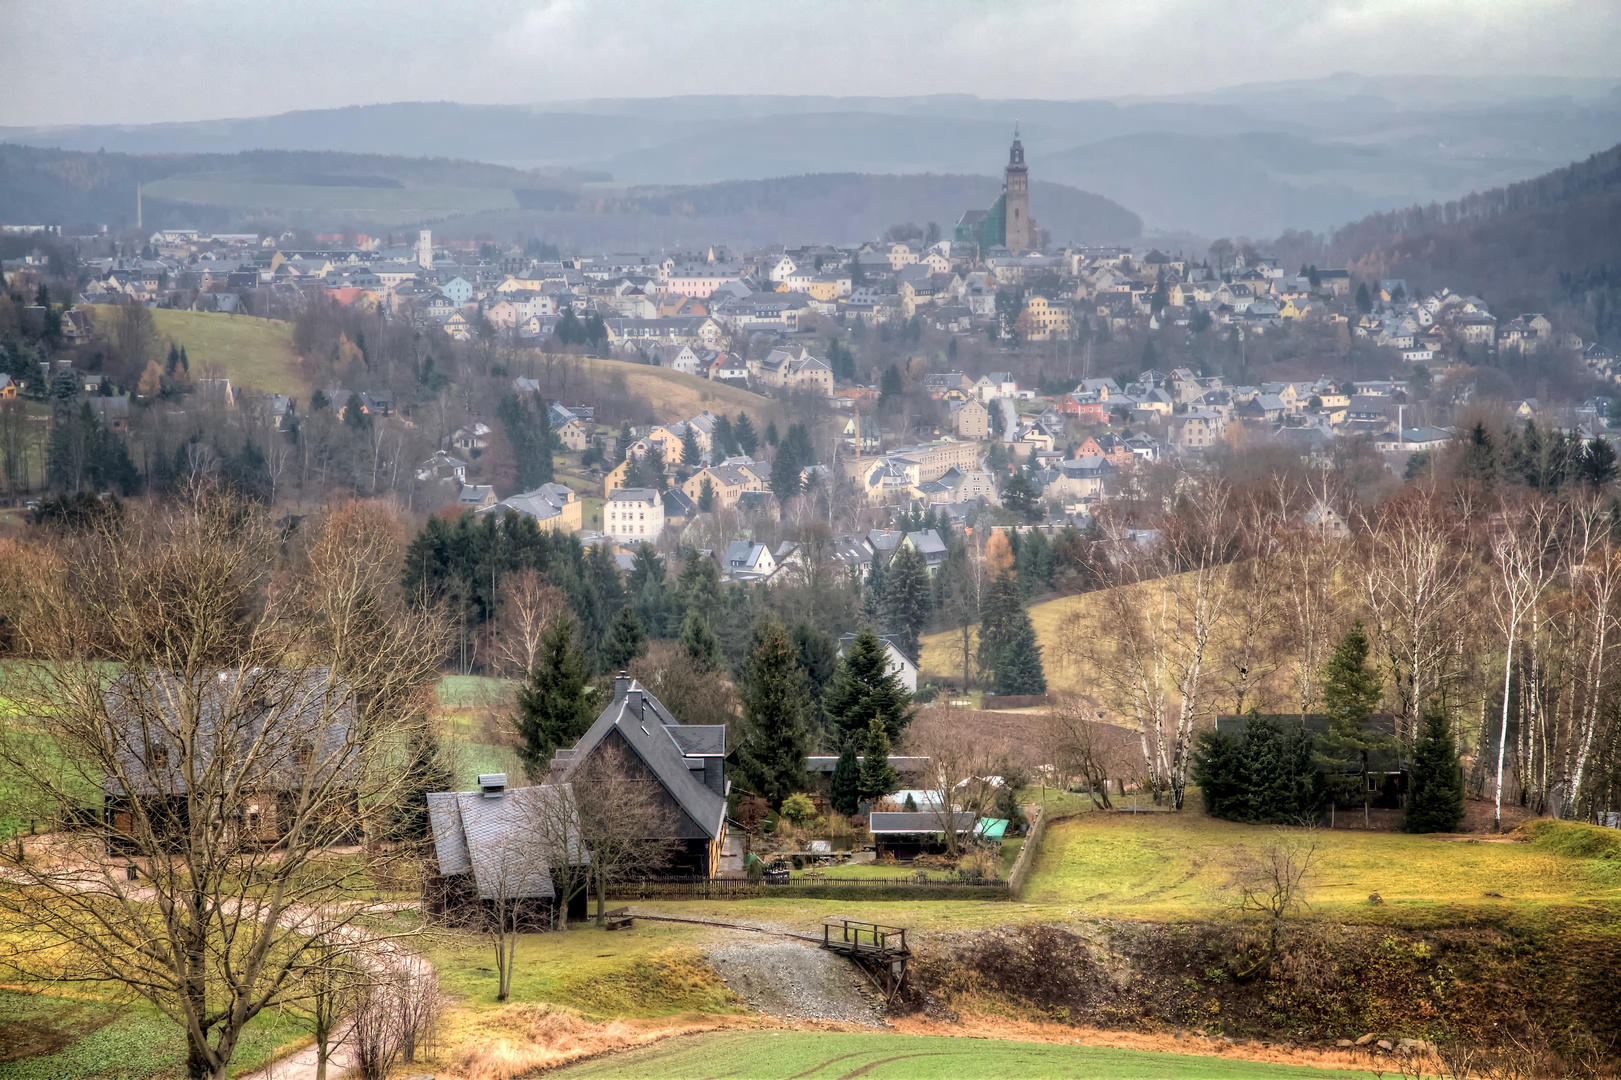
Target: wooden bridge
{"points": [[880, 951]]}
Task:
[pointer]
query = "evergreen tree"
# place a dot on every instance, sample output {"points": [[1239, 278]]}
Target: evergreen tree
{"points": [[771, 437], [776, 732], [529, 431], [173, 361], [907, 597], [724, 441], [785, 478], [699, 642], [706, 495], [650, 593], [553, 707], [1364, 302], [890, 388], [863, 687], [878, 776], [1597, 463], [1020, 497], [625, 641], [627, 435], [798, 440], [999, 607], [874, 591], [691, 455], [1351, 690], [698, 587], [1435, 784], [743, 428], [846, 793], [1020, 670], [1264, 777], [429, 771]]}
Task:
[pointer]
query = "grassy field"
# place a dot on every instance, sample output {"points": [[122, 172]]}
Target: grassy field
{"points": [[652, 970], [941, 657], [256, 353], [677, 396], [45, 1037], [389, 205], [1179, 866], [464, 702], [807, 1055]]}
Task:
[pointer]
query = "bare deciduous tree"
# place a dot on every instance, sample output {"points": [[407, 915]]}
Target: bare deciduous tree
{"points": [[625, 818], [1077, 749], [528, 603], [1521, 544], [961, 761], [1276, 885], [244, 712]]}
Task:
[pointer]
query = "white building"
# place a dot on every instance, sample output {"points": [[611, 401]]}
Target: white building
{"points": [[634, 515]]}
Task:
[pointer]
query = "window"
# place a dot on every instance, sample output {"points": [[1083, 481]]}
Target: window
{"points": [[157, 755]]}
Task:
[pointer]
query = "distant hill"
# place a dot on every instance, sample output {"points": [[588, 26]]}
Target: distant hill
{"points": [[1247, 160], [1507, 242], [326, 189]]}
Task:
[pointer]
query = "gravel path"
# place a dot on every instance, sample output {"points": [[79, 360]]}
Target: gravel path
{"points": [[795, 982]]}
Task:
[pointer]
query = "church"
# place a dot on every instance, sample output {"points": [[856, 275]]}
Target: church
{"points": [[1007, 223]]}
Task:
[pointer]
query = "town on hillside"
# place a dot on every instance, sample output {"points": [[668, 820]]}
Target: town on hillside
{"points": [[434, 650]]}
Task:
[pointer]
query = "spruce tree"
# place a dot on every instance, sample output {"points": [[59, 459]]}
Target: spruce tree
{"points": [[723, 441], [776, 733], [1000, 603], [1435, 784], [846, 793], [863, 687], [625, 640], [706, 495], [878, 776], [907, 597], [1020, 670], [428, 771], [874, 591], [785, 475], [1351, 690], [553, 709], [743, 428], [699, 642], [690, 453]]}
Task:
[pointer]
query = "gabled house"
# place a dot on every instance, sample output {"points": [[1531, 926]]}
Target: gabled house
{"points": [[687, 762], [748, 561], [554, 507]]}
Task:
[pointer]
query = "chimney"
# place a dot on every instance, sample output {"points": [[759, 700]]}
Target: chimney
{"points": [[621, 685], [492, 785], [633, 703]]}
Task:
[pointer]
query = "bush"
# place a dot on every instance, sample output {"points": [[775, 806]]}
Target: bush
{"points": [[798, 808]]}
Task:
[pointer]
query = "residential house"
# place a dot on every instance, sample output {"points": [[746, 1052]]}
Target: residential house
{"points": [[634, 515], [728, 481], [687, 762], [970, 419], [746, 560], [554, 507]]}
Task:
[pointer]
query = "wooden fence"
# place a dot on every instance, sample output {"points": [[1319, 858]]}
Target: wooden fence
{"points": [[1014, 701], [805, 886]]}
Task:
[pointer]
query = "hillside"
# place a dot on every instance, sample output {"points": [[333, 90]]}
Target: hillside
{"points": [[676, 395], [1504, 243], [1250, 160], [261, 189], [256, 353]]}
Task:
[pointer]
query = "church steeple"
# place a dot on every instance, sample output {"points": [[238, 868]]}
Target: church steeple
{"points": [[1016, 197]]}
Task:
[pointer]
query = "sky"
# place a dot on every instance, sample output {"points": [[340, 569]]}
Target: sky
{"points": [[146, 61]]}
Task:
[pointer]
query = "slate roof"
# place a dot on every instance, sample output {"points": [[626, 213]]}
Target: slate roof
{"points": [[674, 753], [905, 822], [500, 837]]}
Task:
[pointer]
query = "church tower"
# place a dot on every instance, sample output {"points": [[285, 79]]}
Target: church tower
{"points": [[1021, 232]]}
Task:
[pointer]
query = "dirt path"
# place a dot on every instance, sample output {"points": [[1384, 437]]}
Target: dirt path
{"points": [[790, 980]]}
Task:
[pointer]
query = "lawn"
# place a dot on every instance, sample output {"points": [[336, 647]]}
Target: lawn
{"points": [[650, 970], [1176, 866], [45, 1037], [463, 700], [807, 1055], [941, 654], [255, 353]]}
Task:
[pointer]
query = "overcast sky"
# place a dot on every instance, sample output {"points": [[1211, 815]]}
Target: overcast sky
{"points": [[140, 61]]}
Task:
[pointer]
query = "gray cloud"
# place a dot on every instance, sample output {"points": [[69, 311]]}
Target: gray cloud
{"points": [[141, 61]]}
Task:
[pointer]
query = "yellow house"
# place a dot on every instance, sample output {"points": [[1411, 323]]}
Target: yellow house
{"points": [[615, 479], [662, 437], [1291, 308], [1043, 319], [727, 483]]}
